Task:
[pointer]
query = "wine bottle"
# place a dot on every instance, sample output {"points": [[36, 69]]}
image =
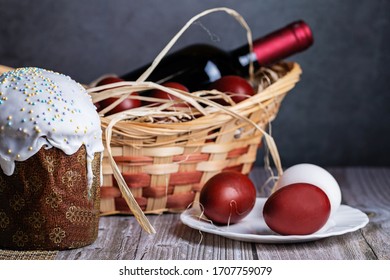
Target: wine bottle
{"points": [[197, 65]]}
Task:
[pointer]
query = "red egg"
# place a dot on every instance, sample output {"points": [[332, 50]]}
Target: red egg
{"points": [[228, 197], [126, 104], [157, 93], [109, 80], [297, 209], [236, 87]]}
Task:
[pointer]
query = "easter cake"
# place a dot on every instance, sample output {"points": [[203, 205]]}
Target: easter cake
{"points": [[50, 159]]}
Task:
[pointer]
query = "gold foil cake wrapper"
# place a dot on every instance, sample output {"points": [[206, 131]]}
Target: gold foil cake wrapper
{"points": [[47, 205]]}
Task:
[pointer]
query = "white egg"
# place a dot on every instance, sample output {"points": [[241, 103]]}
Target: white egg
{"points": [[315, 175]]}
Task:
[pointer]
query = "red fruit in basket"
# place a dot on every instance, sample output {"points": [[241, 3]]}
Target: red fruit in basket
{"points": [[157, 93], [236, 87], [126, 104], [228, 197], [109, 80], [297, 209]]}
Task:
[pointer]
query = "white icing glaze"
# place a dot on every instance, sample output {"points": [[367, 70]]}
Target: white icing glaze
{"points": [[41, 108]]}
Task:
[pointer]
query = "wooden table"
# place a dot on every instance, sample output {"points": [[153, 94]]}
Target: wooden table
{"points": [[368, 189]]}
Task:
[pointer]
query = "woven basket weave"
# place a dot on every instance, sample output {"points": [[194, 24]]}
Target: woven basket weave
{"points": [[158, 158]]}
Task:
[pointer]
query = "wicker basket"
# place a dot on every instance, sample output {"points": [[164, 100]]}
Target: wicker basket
{"points": [[166, 164], [158, 158]]}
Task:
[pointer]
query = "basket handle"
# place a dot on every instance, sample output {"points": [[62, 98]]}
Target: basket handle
{"points": [[128, 196]]}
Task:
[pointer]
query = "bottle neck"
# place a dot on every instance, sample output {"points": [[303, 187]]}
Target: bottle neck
{"points": [[276, 46]]}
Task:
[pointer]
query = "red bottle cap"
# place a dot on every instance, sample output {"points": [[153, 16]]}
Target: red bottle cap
{"points": [[282, 43]]}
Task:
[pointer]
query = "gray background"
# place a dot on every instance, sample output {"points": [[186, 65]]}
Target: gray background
{"points": [[337, 115]]}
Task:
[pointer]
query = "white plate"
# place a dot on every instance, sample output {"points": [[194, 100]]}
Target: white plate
{"points": [[253, 228]]}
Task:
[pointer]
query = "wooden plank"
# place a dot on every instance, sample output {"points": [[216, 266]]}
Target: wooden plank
{"points": [[116, 235], [368, 189], [178, 242], [350, 246]]}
